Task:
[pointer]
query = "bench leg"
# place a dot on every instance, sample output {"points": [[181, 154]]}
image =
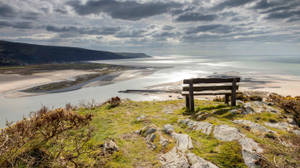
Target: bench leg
{"points": [[227, 99], [191, 97], [187, 102], [233, 93], [191, 103]]}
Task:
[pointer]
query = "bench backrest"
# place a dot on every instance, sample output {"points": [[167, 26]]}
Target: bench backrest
{"points": [[191, 90], [191, 82]]}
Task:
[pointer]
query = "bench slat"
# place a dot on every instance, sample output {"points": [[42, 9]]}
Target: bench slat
{"points": [[210, 80], [204, 88], [206, 94]]}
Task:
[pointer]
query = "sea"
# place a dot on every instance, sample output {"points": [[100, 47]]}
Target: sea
{"points": [[170, 68]]}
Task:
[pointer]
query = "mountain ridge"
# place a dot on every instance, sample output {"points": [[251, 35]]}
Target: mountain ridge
{"points": [[15, 53]]}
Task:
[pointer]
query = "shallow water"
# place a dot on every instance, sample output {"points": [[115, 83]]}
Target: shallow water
{"points": [[179, 67]]}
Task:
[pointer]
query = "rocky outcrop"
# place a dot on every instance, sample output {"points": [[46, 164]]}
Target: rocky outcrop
{"points": [[183, 141], [177, 157], [174, 159], [204, 127], [250, 149], [258, 107], [284, 126], [280, 125], [198, 162], [254, 127], [226, 133]]}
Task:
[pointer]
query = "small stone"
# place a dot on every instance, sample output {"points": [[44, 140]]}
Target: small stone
{"points": [[151, 137], [297, 132], [202, 116], [149, 131], [291, 121], [141, 118], [110, 147], [168, 129]]}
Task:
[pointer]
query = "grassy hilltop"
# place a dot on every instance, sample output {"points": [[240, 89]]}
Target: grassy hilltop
{"points": [[108, 135]]}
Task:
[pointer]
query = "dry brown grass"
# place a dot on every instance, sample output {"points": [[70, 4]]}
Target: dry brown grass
{"points": [[30, 134], [290, 105]]}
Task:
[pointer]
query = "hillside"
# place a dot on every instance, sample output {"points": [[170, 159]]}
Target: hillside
{"points": [[158, 134], [12, 53]]}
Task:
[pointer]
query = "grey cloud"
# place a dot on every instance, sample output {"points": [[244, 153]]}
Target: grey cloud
{"points": [[165, 35], [168, 27], [131, 33], [187, 17], [200, 38], [30, 16], [62, 11], [182, 10], [230, 4], [284, 15], [89, 31], [127, 10], [6, 11], [17, 25], [214, 28], [263, 4]]}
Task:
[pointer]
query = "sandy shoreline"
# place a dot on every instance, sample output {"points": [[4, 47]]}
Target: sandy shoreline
{"points": [[11, 85]]}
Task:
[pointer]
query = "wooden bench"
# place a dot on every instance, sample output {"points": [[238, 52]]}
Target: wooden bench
{"points": [[194, 88]]}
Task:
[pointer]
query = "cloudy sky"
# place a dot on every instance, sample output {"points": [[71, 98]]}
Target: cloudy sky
{"points": [[157, 27]]}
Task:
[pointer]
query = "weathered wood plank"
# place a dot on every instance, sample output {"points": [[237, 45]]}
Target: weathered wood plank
{"points": [[210, 80], [205, 94], [204, 88]]}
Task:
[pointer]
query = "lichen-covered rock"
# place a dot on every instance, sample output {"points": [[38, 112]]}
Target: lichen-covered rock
{"points": [[109, 147], [204, 127], [257, 107], [146, 131], [256, 128], [250, 145], [297, 132], [250, 148], [250, 159], [280, 125], [150, 137], [168, 129], [202, 116], [197, 162], [163, 141], [183, 141], [226, 133], [174, 159]]}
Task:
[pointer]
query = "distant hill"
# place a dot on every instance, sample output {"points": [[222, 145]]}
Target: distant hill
{"points": [[12, 53]]}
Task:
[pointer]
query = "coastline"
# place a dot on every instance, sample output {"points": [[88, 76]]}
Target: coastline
{"points": [[13, 85]]}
